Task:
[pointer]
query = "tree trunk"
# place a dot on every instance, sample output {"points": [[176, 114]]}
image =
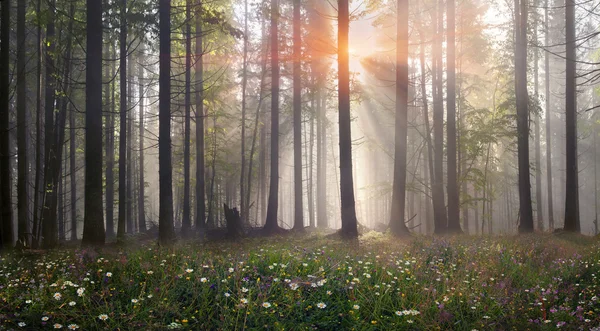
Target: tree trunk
{"points": [[439, 205], [297, 104], [243, 215], [322, 221], [199, 86], [397, 225], [38, 140], [123, 124], [453, 194], [348, 210], [23, 172], [93, 221], [572, 222], [271, 221], [548, 123], [110, 155], [526, 213], [73, 172], [538, 156], [129, 177], [142, 183], [166, 231], [186, 222]]}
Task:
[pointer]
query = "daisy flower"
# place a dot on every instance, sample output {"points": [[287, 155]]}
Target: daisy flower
{"points": [[103, 317], [266, 305], [321, 305]]}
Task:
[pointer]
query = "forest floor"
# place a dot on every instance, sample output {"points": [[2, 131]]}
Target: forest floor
{"points": [[534, 282]]}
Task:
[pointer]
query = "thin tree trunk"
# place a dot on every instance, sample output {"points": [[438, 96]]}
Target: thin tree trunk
{"points": [[123, 124], [200, 162], [110, 155], [73, 173], [142, 183], [548, 122], [186, 223], [38, 140], [243, 214], [572, 222], [297, 105], [23, 164], [129, 177], [538, 156], [166, 231]]}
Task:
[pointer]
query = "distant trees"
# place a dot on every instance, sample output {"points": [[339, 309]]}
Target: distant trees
{"points": [[93, 223]]}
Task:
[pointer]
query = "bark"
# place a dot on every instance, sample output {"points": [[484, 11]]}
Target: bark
{"points": [[297, 105], [130, 228], [142, 183], [538, 156], [453, 194], [526, 213], [243, 215], [38, 141], [200, 162], [186, 222], [123, 124], [548, 123], [271, 220], [572, 222], [110, 157], [22, 148], [348, 210], [93, 221], [73, 173], [397, 225], [322, 221], [166, 231]]}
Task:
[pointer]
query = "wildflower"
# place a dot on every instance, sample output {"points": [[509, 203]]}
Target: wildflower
{"points": [[328, 292], [134, 300], [57, 326], [109, 274], [80, 291], [103, 317], [22, 324], [321, 305], [27, 301], [57, 296], [204, 280], [560, 324], [294, 286], [45, 319], [356, 307], [244, 300], [547, 321], [410, 321], [230, 270], [189, 271], [73, 327], [244, 290], [150, 296], [72, 303], [266, 305], [399, 313], [150, 272], [227, 295]]}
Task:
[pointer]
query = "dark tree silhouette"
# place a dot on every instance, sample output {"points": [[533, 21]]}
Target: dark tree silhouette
{"points": [[297, 104], [186, 222], [23, 171], [6, 237], [200, 164], [548, 121], [122, 123]]}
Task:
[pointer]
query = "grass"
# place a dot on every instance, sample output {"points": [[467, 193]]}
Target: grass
{"points": [[536, 282]]}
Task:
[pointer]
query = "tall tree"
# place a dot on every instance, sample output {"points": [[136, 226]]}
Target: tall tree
{"points": [[110, 153], [243, 215], [572, 171], [93, 221], [73, 173], [548, 121], [271, 224], [186, 222], [526, 213], [349, 221], [397, 224], [440, 217], [6, 237], [122, 122], [538, 153], [200, 163], [298, 192], [453, 194], [23, 171], [38, 127], [166, 231], [142, 183]]}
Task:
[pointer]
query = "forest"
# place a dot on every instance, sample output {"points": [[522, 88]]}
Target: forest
{"points": [[299, 164]]}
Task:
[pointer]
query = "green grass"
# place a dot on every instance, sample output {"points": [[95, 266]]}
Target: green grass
{"points": [[537, 282]]}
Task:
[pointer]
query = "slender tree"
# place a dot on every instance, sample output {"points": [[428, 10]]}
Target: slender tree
{"points": [[349, 221], [186, 223], [271, 224], [298, 192], [166, 231], [243, 215], [453, 194], [526, 213], [397, 224], [538, 153], [110, 154], [572, 222], [73, 173], [122, 123], [548, 121], [142, 183], [93, 222], [200, 163], [23, 171], [6, 237]]}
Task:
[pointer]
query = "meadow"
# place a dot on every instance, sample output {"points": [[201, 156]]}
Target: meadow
{"points": [[534, 282]]}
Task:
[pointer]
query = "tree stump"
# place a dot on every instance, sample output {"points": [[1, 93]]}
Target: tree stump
{"points": [[234, 222]]}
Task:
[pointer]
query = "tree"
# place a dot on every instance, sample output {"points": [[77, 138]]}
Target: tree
{"points": [[548, 121], [572, 222], [200, 163], [243, 216], [93, 221], [142, 183], [526, 213], [349, 221], [453, 194], [166, 231], [186, 223], [122, 123], [538, 155], [23, 171], [271, 221], [110, 155], [6, 237], [397, 224], [297, 104]]}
